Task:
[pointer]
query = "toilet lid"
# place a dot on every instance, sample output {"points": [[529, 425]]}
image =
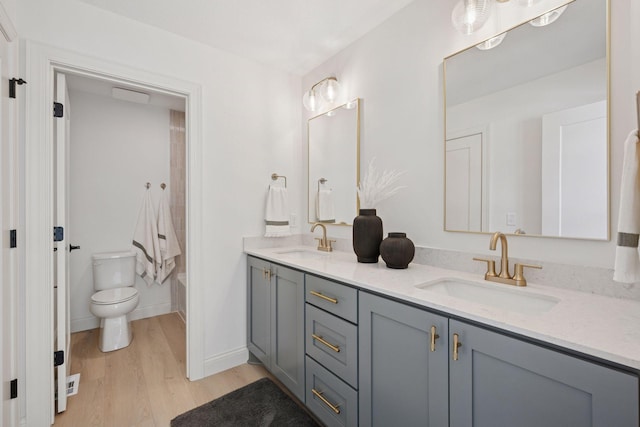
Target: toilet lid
{"points": [[113, 296]]}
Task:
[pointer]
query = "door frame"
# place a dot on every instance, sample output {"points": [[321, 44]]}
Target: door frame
{"points": [[41, 62]]}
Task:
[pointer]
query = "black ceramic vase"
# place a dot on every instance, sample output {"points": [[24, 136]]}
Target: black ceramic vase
{"points": [[397, 250], [367, 235]]}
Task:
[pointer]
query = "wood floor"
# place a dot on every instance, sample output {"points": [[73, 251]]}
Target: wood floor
{"points": [[144, 384]]}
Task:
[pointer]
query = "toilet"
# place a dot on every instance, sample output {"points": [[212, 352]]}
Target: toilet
{"points": [[114, 275]]}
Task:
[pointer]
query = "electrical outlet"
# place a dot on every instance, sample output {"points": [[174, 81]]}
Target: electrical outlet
{"points": [[511, 218], [293, 220]]}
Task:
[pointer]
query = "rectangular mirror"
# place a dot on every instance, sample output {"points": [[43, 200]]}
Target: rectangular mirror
{"points": [[526, 129], [334, 165]]}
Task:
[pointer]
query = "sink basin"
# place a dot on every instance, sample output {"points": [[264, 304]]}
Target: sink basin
{"points": [[494, 295], [303, 254]]}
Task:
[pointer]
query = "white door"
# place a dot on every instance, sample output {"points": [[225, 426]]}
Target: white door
{"points": [[463, 196], [574, 172], [61, 256]]}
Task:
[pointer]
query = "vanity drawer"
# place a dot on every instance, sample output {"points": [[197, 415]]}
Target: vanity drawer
{"points": [[333, 297], [329, 398], [332, 342]]}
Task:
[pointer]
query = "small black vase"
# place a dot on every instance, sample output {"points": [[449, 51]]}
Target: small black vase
{"points": [[397, 250], [367, 236]]}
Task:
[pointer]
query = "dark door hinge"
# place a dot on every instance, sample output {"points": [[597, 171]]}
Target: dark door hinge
{"points": [[58, 234], [12, 86], [14, 389], [58, 358], [13, 238], [58, 109]]}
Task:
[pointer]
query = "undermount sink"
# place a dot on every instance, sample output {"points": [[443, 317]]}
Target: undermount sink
{"points": [[303, 254], [494, 295]]}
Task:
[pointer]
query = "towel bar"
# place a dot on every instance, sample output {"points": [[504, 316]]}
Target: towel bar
{"points": [[275, 176]]}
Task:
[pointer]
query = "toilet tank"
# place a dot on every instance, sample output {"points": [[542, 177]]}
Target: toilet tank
{"points": [[113, 270]]}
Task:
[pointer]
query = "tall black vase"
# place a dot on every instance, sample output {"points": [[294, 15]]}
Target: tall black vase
{"points": [[367, 236]]}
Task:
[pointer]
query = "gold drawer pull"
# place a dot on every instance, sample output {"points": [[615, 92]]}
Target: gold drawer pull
{"points": [[325, 401], [434, 337], [324, 297], [331, 346], [456, 344]]}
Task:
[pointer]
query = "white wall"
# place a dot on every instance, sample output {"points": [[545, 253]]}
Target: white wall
{"points": [[116, 147], [397, 70], [250, 129]]}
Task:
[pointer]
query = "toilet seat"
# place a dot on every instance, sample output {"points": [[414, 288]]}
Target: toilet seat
{"points": [[114, 296]]}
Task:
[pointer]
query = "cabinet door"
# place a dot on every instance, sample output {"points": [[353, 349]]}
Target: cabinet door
{"points": [[287, 328], [258, 309], [402, 382], [502, 381]]}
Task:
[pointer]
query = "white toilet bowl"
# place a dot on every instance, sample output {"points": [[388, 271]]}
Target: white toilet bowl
{"points": [[112, 307]]}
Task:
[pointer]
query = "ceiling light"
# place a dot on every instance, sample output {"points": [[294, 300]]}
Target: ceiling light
{"points": [[528, 3], [326, 92], [492, 42], [548, 18], [468, 16]]}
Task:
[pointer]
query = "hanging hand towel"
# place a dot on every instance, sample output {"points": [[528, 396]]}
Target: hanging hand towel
{"points": [[169, 246], [627, 264], [277, 213], [145, 241], [324, 206]]}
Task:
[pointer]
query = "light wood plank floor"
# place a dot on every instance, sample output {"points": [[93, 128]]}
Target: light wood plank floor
{"points": [[144, 384]]}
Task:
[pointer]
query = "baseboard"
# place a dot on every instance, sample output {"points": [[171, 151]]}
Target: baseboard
{"points": [[224, 361], [86, 323]]}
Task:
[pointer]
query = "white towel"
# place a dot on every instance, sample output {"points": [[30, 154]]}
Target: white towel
{"points": [[277, 213], [145, 241], [627, 264], [169, 246], [325, 206]]}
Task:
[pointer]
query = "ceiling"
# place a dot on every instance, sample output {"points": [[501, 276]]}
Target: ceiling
{"points": [[291, 35]]}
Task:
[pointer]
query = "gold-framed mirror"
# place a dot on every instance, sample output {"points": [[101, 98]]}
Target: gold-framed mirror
{"points": [[527, 130], [334, 165]]}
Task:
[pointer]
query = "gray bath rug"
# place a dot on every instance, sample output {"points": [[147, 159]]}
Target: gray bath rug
{"points": [[261, 403]]}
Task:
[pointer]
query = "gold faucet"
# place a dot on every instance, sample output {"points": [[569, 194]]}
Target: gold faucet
{"points": [[324, 244], [504, 277]]}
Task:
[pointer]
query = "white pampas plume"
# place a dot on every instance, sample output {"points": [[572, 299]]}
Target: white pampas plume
{"points": [[376, 187]]}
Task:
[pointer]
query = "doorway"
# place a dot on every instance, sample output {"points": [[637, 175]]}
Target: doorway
{"points": [[43, 62]]}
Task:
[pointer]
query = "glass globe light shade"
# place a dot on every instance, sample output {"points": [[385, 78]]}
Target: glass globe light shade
{"points": [[492, 42], [468, 16], [548, 18], [330, 90], [312, 101]]}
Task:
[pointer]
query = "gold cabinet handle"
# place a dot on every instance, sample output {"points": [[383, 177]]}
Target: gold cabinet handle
{"points": [[324, 297], [334, 408], [434, 337], [456, 345], [266, 273], [328, 344]]}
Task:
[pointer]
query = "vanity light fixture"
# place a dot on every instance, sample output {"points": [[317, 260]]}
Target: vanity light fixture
{"points": [[326, 91], [549, 17], [468, 16], [492, 42]]}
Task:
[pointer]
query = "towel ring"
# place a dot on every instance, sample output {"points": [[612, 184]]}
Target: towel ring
{"points": [[275, 176], [321, 181]]}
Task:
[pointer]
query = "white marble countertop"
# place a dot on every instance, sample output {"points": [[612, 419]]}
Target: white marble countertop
{"points": [[603, 327]]}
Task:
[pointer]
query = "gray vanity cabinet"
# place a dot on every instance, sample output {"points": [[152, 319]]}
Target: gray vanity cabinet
{"points": [[404, 373], [503, 381], [275, 324]]}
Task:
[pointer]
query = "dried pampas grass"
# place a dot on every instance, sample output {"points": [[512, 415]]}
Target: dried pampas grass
{"points": [[376, 187]]}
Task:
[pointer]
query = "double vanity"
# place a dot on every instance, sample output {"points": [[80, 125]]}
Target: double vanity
{"points": [[364, 345]]}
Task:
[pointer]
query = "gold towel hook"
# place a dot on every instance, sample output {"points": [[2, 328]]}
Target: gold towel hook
{"points": [[148, 185], [163, 185], [275, 176]]}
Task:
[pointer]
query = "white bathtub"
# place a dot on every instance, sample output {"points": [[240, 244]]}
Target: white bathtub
{"points": [[181, 295]]}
